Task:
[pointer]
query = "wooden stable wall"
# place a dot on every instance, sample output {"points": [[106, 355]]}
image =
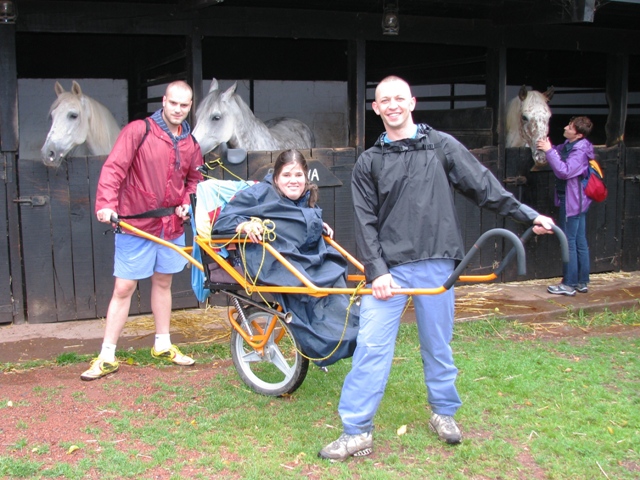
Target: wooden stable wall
{"points": [[67, 256], [604, 220]]}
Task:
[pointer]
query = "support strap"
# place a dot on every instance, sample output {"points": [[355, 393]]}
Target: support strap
{"points": [[157, 213]]}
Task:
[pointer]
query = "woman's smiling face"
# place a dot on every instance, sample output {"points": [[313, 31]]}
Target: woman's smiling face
{"points": [[291, 181]]}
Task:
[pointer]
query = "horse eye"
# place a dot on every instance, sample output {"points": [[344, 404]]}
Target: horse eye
{"points": [[215, 118], [73, 116], [525, 118]]}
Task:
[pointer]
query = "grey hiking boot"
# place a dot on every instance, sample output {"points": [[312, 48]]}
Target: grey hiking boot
{"points": [[348, 446], [446, 428]]}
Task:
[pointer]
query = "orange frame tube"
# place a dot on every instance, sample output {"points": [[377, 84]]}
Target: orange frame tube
{"points": [[308, 288]]}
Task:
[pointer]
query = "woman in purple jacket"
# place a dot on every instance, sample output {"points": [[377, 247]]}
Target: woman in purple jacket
{"points": [[570, 163]]}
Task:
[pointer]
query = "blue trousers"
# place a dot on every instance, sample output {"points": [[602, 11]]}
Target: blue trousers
{"points": [[379, 322], [575, 228]]}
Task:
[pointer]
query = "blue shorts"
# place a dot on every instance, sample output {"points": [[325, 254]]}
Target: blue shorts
{"points": [[136, 258]]}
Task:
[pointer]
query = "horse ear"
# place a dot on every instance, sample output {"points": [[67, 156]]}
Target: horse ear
{"points": [[58, 88], [75, 88], [522, 94], [229, 93], [214, 85], [549, 93]]}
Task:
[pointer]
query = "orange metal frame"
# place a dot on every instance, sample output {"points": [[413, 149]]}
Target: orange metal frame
{"points": [[257, 342], [308, 288]]}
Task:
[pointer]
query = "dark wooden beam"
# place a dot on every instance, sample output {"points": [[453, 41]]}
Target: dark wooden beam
{"points": [[547, 13], [198, 4], [153, 19], [496, 89], [194, 70], [8, 89]]}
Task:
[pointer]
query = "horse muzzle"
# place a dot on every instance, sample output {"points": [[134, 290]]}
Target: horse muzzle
{"points": [[52, 159]]}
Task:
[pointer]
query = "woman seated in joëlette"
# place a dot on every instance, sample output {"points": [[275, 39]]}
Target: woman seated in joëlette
{"points": [[288, 199]]}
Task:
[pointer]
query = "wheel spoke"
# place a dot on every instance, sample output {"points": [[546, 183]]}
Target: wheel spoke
{"points": [[251, 356], [280, 361]]}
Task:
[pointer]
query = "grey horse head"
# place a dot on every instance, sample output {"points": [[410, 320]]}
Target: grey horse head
{"points": [[225, 117], [79, 125], [216, 117], [528, 121]]}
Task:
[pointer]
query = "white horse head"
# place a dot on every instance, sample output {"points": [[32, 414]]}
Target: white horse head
{"points": [[528, 121], [224, 117], [79, 125]]}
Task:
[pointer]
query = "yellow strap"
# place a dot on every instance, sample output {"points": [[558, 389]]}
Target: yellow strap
{"points": [[218, 163], [268, 235]]}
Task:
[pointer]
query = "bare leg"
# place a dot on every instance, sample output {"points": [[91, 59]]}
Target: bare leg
{"points": [[161, 301], [118, 311]]}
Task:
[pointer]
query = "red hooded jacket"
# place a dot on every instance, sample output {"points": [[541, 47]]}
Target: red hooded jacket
{"points": [[156, 175]]}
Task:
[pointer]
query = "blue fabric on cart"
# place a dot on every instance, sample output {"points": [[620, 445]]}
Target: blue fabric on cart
{"points": [[211, 197]]}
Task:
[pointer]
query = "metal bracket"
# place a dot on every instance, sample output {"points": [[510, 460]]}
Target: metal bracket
{"points": [[633, 178], [520, 180], [33, 200]]}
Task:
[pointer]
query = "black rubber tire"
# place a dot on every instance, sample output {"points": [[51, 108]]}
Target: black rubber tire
{"points": [[282, 368]]}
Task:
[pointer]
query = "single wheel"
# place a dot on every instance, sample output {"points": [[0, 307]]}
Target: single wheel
{"points": [[281, 368]]}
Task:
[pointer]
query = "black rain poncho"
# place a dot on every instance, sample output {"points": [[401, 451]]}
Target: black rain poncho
{"points": [[318, 322]]}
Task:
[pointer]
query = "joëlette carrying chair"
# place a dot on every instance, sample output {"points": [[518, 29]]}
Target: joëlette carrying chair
{"points": [[264, 349]]}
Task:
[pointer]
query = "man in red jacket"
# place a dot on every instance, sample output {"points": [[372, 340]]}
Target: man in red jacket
{"points": [[148, 178]]}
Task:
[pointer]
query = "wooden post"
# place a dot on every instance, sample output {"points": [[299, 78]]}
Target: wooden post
{"points": [[357, 93], [617, 96], [12, 304], [497, 91], [194, 70]]}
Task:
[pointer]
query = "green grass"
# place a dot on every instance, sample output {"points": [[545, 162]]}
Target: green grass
{"points": [[565, 408]]}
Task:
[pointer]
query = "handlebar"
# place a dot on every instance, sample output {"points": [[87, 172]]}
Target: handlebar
{"points": [[518, 250], [562, 238], [517, 247]]}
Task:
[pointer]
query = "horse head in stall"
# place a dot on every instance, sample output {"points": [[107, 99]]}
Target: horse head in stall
{"points": [[79, 125], [224, 117], [528, 117]]}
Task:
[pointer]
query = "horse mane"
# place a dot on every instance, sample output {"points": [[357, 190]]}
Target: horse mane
{"points": [[514, 139], [103, 128], [252, 123], [536, 97]]}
